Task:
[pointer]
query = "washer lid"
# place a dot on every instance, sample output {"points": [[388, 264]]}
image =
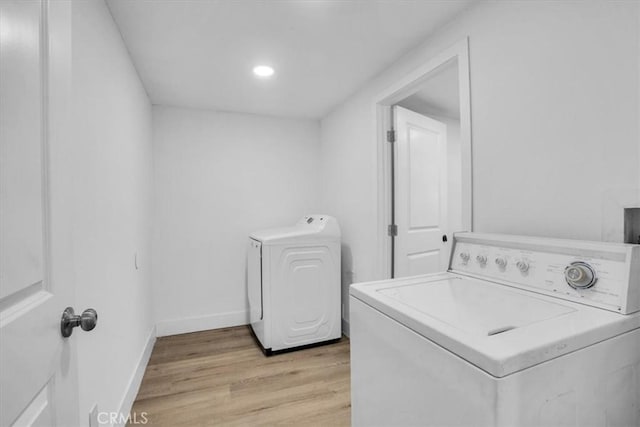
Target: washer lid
{"points": [[499, 329], [475, 308]]}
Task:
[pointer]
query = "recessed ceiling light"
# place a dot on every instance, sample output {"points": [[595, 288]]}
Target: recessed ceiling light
{"points": [[263, 71]]}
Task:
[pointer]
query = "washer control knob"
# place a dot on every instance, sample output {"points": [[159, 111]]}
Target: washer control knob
{"points": [[523, 266], [482, 260], [501, 262], [580, 275], [464, 256]]}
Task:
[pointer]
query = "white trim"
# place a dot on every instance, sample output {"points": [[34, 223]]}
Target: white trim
{"points": [[44, 144], [346, 328], [136, 378], [202, 323], [382, 105], [383, 178]]}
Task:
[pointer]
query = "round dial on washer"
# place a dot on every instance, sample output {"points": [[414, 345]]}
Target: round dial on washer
{"points": [[523, 266], [482, 260], [580, 275], [501, 262], [464, 256]]}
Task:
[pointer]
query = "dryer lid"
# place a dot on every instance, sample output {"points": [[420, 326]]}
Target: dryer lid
{"points": [[280, 233], [497, 328], [311, 228]]}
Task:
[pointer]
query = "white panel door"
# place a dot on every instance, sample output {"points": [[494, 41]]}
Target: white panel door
{"points": [[37, 366], [420, 185]]}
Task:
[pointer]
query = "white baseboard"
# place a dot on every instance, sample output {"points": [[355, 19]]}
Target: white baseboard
{"points": [[345, 327], [136, 378], [202, 323]]}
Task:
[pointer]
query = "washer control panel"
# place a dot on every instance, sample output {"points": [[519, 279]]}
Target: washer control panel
{"points": [[605, 275]]}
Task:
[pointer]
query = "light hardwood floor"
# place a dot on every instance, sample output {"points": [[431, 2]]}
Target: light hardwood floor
{"points": [[221, 378]]}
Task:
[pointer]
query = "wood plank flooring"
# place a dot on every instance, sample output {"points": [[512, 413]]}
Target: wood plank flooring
{"points": [[221, 378]]}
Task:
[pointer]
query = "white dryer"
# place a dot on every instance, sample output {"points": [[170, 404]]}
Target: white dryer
{"points": [[293, 284], [519, 332]]}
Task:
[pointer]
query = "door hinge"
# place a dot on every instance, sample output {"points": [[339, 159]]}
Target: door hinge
{"points": [[392, 230], [391, 135]]}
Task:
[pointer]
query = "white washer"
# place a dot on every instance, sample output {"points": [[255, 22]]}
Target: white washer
{"points": [[293, 283], [519, 332]]}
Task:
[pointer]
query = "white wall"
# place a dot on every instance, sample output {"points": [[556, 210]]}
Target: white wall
{"points": [[217, 177], [112, 165], [555, 100]]}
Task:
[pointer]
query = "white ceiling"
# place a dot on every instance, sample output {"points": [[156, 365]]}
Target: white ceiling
{"points": [[439, 95], [200, 53]]}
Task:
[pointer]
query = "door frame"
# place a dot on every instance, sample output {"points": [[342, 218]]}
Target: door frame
{"points": [[402, 88], [59, 143]]}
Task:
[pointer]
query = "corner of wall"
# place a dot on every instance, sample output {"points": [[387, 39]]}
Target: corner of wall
{"points": [[135, 380], [346, 329]]}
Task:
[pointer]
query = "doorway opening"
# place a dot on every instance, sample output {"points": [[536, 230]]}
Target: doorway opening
{"points": [[424, 165]]}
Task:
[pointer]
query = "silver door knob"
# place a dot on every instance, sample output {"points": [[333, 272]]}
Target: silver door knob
{"points": [[87, 321]]}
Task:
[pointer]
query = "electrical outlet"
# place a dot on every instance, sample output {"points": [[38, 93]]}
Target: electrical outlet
{"points": [[93, 416]]}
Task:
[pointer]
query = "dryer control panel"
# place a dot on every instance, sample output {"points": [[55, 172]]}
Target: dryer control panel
{"points": [[605, 275]]}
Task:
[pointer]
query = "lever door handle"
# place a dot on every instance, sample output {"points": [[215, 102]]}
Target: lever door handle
{"points": [[87, 321]]}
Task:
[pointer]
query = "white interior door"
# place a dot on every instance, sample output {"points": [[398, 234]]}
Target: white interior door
{"points": [[37, 367], [420, 187]]}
